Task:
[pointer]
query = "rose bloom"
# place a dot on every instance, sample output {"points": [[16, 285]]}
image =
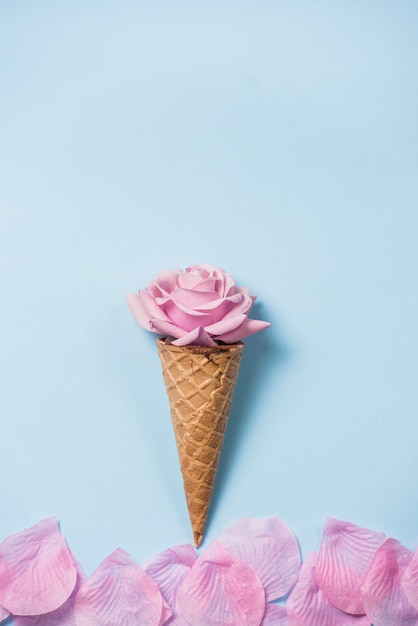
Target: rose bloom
{"points": [[201, 305]]}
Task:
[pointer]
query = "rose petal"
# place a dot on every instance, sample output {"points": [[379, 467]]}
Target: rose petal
{"points": [[308, 606], [383, 597], [226, 325], [119, 592], [192, 298], [275, 615], [198, 336], [63, 616], [4, 613], [270, 547], [221, 589], [165, 328], [167, 279], [37, 573], [247, 328], [185, 319], [344, 558], [144, 308], [169, 569], [410, 581]]}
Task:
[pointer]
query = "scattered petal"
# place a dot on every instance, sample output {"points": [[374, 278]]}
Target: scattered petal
{"points": [[384, 600], [63, 616], [308, 606], [220, 589], [410, 581], [4, 613], [37, 573], [344, 558], [270, 547], [275, 615], [169, 569], [119, 592]]}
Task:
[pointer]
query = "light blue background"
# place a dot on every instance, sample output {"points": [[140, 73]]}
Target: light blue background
{"points": [[275, 139]]}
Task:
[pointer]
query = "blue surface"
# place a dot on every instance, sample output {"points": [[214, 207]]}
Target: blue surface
{"points": [[277, 140]]}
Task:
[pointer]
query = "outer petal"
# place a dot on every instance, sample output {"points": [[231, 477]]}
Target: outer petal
{"points": [[275, 615], [37, 573], [383, 597], [270, 547], [140, 311], [410, 581], [344, 558], [169, 569], [220, 589], [198, 337], [307, 605], [226, 325], [119, 592], [247, 328]]}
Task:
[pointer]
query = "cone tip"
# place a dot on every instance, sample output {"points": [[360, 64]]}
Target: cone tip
{"points": [[197, 538]]}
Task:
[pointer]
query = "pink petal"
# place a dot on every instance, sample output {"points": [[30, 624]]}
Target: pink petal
{"points": [[63, 616], [344, 558], [383, 597], [270, 547], [227, 324], [307, 605], [119, 592], [410, 581], [188, 280], [167, 279], [165, 328], [197, 337], [275, 615], [221, 589], [247, 328], [37, 573], [143, 307], [4, 613], [169, 569], [192, 298]]}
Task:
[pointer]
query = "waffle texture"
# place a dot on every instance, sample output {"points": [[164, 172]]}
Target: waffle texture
{"points": [[200, 384]]}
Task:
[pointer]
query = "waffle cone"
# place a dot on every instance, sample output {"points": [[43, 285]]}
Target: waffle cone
{"points": [[200, 384]]}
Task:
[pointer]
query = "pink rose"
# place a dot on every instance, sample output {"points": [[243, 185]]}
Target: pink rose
{"points": [[199, 306]]}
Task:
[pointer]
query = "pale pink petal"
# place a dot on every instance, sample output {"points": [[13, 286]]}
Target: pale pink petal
{"points": [[197, 337], [167, 279], [168, 569], [4, 613], [344, 558], [119, 592], [64, 615], [307, 605], [141, 309], [410, 581], [187, 320], [216, 304], [165, 328], [221, 589], [247, 328], [275, 615], [37, 573], [226, 325], [192, 298], [270, 547], [188, 280], [383, 597]]}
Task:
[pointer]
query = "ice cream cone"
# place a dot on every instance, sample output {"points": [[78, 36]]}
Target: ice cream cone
{"points": [[200, 382]]}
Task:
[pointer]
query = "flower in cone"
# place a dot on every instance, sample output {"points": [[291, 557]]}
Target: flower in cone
{"points": [[201, 316]]}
